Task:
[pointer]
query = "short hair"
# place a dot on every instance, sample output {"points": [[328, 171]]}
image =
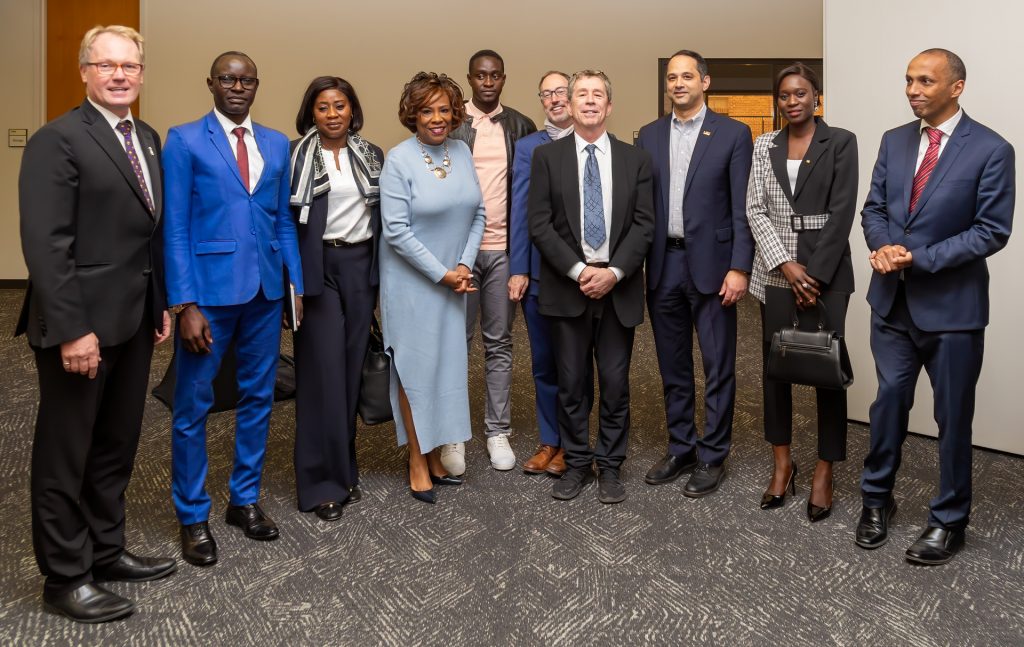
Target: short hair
{"points": [[421, 89], [213, 66], [118, 30], [486, 53], [549, 73], [590, 74], [956, 64], [304, 120], [702, 65], [801, 70]]}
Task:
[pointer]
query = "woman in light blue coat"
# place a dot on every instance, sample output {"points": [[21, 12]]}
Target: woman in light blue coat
{"points": [[432, 216]]}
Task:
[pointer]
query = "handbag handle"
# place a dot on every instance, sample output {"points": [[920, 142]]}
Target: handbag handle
{"points": [[822, 315]]}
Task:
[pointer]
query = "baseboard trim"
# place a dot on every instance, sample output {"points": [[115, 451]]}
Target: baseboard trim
{"points": [[13, 284]]}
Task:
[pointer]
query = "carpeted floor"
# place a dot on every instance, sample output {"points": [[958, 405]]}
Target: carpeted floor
{"points": [[499, 562]]}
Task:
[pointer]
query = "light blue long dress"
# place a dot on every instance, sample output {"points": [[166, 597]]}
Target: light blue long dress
{"points": [[429, 226]]}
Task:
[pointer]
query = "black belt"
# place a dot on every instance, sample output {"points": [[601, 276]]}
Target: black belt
{"points": [[675, 243], [600, 265], [338, 242]]}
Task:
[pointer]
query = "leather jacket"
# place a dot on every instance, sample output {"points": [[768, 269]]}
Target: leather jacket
{"points": [[515, 125]]}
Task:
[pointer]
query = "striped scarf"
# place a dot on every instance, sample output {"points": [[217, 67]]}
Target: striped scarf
{"points": [[309, 177]]}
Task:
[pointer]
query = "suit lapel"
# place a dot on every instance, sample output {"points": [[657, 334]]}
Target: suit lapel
{"points": [[908, 166], [219, 140], [148, 152], [819, 142], [946, 159], [100, 130], [704, 137], [571, 188], [619, 193], [263, 148], [663, 158], [778, 156]]}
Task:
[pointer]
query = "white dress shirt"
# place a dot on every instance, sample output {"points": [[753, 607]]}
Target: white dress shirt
{"points": [[603, 154], [946, 128], [144, 153], [255, 159], [348, 217]]}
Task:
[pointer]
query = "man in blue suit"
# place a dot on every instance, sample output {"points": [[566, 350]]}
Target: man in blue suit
{"points": [[697, 268], [524, 282], [941, 201], [228, 238]]}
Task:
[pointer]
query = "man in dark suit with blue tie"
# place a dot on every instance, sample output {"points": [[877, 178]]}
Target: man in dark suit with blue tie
{"points": [[697, 268], [229, 236], [941, 201]]}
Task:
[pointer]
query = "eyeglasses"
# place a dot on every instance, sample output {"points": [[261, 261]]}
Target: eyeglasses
{"points": [[106, 68], [227, 81], [561, 93]]}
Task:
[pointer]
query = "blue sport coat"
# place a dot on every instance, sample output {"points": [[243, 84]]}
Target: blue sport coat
{"points": [[222, 244], [716, 230], [524, 257], [964, 215]]}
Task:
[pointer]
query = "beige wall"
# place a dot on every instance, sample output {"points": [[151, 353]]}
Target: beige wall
{"points": [[864, 87], [21, 49], [380, 45]]}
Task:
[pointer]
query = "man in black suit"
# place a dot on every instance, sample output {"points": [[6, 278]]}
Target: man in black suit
{"points": [[591, 215], [90, 191]]}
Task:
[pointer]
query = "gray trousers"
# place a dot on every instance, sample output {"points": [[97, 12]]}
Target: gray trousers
{"points": [[491, 302]]}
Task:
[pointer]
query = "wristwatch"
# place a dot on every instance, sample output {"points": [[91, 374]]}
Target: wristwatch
{"points": [[182, 307]]}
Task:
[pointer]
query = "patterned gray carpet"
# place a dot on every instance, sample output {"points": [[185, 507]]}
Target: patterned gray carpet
{"points": [[499, 562]]}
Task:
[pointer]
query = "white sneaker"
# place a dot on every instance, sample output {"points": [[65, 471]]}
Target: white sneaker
{"points": [[500, 452], [453, 457]]}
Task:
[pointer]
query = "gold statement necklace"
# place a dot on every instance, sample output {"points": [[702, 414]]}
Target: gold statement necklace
{"points": [[440, 172]]}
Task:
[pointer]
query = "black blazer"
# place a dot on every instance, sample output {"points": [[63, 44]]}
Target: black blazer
{"points": [[553, 212], [311, 236], [826, 183], [92, 247]]}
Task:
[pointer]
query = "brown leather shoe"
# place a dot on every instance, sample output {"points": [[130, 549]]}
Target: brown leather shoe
{"points": [[539, 462], [557, 465]]}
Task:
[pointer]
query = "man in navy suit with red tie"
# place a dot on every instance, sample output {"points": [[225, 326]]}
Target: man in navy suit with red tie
{"points": [[941, 201]]}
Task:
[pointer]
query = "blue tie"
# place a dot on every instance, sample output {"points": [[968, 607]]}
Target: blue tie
{"points": [[593, 201]]}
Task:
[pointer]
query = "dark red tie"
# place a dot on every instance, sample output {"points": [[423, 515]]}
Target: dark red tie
{"points": [[931, 158], [242, 153]]}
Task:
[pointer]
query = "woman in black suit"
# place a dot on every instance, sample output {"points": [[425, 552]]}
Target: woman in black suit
{"points": [[800, 203], [336, 203]]}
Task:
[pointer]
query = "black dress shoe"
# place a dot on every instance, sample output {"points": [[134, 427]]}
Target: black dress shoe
{"points": [[771, 501], [355, 495], [571, 483], [671, 467], [609, 487], [330, 511], [936, 546], [197, 544], [252, 520], [447, 479], [873, 529], [426, 496], [705, 480], [89, 603], [132, 568]]}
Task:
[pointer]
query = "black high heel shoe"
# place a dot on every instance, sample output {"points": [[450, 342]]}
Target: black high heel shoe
{"points": [[816, 512], [447, 479], [769, 501], [426, 496]]}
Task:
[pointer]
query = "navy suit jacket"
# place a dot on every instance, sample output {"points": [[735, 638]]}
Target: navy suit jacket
{"points": [[524, 257], [716, 230], [964, 215], [223, 244]]}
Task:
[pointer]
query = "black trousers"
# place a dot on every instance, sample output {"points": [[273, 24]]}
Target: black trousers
{"points": [[330, 347], [87, 433], [597, 335], [831, 403]]}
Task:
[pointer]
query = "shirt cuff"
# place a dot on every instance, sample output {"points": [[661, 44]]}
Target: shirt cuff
{"points": [[619, 274], [576, 270]]}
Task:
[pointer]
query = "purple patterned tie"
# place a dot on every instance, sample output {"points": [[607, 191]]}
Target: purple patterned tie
{"points": [[125, 128]]}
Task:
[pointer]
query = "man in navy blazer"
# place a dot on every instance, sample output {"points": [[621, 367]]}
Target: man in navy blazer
{"points": [[524, 267], [697, 268], [228, 237], [941, 201]]}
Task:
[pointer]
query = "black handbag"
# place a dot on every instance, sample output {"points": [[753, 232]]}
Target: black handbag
{"points": [[375, 390], [817, 358]]}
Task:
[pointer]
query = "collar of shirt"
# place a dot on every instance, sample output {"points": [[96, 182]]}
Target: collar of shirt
{"points": [[697, 120], [111, 118], [229, 125], [478, 114], [947, 127], [602, 143]]}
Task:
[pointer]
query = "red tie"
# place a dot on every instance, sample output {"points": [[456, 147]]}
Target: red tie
{"points": [[931, 158], [242, 153]]}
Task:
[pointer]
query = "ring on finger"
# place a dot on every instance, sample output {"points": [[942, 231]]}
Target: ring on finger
{"points": [[805, 286]]}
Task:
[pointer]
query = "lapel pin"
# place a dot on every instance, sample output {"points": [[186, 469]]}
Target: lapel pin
{"points": [[150, 149], [807, 161], [707, 133]]}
